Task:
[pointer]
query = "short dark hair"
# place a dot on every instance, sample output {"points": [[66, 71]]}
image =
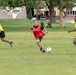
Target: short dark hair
{"points": [[35, 20]]}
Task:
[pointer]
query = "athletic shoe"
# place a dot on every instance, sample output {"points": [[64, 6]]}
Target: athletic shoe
{"points": [[43, 51], [11, 44]]}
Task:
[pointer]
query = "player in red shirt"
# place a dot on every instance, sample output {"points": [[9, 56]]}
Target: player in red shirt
{"points": [[38, 34]]}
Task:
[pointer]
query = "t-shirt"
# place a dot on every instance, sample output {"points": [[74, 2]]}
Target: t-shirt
{"points": [[1, 29]]}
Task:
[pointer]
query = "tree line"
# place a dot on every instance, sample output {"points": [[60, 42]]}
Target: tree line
{"points": [[62, 5]]}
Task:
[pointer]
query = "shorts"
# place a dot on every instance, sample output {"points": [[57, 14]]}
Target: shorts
{"points": [[2, 34], [40, 38]]}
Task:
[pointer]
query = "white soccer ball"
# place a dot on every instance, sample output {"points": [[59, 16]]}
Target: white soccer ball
{"points": [[48, 49]]}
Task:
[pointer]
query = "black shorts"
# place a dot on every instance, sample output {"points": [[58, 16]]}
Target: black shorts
{"points": [[40, 38], [2, 34]]}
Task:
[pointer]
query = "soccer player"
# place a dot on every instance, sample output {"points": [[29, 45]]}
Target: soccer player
{"points": [[2, 36], [75, 21], [74, 41], [38, 34]]}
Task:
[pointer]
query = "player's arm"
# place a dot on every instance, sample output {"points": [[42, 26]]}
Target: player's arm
{"points": [[31, 29], [72, 30], [45, 30]]}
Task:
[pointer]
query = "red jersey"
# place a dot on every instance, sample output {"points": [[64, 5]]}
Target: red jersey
{"points": [[37, 31]]}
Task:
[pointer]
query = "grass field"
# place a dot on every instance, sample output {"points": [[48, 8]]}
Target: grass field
{"points": [[26, 59]]}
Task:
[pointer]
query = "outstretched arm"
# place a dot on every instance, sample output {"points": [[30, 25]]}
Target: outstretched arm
{"points": [[45, 30], [72, 30]]}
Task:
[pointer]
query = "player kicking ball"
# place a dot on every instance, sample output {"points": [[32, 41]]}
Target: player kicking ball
{"points": [[37, 30], [2, 36]]}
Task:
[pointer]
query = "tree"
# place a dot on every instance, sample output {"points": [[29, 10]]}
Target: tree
{"points": [[51, 4], [29, 16], [39, 4], [18, 3], [3, 3], [64, 5], [11, 3], [29, 6], [34, 4]]}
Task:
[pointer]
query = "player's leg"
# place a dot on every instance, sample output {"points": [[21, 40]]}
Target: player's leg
{"points": [[39, 43], [4, 40], [42, 48], [2, 35]]}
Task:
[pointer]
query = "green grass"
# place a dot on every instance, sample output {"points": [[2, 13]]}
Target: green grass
{"points": [[26, 59], [25, 25]]}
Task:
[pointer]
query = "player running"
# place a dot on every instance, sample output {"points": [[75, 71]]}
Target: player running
{"points": [[2, 36], [38, 34], [74, 41]]}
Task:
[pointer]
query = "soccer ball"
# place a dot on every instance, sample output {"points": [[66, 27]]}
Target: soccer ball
{"points": [[48, 49]]}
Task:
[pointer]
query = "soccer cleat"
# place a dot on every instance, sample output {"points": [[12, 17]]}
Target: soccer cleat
{"points": [[43, 51], [11, 44]]}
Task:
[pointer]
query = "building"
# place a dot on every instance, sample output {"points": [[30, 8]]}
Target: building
{"points": [[16, 13], [45, 13]]}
